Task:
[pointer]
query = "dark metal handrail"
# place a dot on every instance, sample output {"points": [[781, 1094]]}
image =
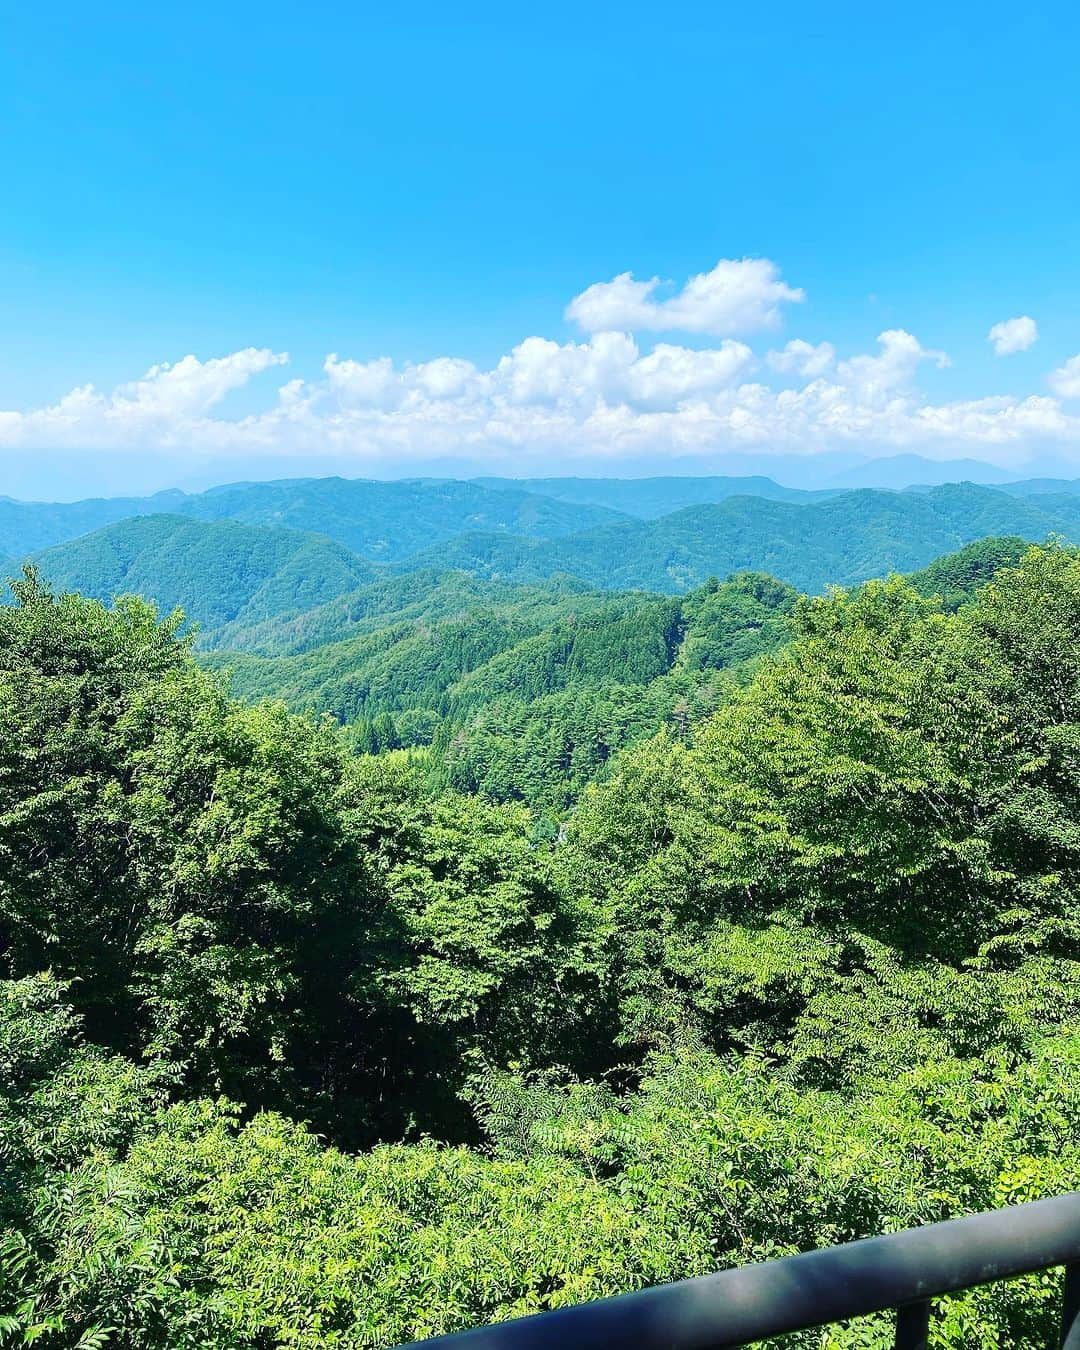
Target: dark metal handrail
{"points": [[737, 1307]]}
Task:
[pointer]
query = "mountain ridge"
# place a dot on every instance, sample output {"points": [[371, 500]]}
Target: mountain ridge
{"points": [[217, 571], [839, 540], [388, 521]]}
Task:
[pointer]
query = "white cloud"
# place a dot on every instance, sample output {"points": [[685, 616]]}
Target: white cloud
{"points": [[380, 384], [673, 374], [1065, 381], [738, 296], [362, 383], [609, 367], [893, 367], [803, 358], [605, 396], [189, 387], [541, 371], [1013, 335], [153, 410], [445, 377]]}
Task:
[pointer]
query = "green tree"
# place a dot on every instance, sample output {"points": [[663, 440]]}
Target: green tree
{"points": [[183, 859]]}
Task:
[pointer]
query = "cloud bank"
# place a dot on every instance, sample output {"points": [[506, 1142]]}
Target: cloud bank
{"points": [[606, 397]]}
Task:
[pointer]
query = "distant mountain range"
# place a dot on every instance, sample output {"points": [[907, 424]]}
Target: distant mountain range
{"points": [[391, 521], [380, 521], [840, 540], [323, 556], [649, 498], [807, 478], [103, 474]]}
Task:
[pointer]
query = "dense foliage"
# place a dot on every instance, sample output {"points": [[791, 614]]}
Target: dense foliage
{"points": [[223, 572], [528, 692], [803, 966], [523, 693]]}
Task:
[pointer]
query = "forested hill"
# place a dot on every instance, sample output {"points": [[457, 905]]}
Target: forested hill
{"points": [[393, 521], [518, 691], [389, 522], [522, 667], [425, 596], [303, 1048], [218, 572], [26, 527], [530, 692], [432, 527], [380, 521], [841, 540]]}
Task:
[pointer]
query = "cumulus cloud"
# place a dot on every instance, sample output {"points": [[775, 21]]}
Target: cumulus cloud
{"points": [[803, 358], [190, 387], [380, 384], [1065, 381], [673, 374], [605, 396], [894, 366], [741, 295], [1013, 335], [541, 372], [161, 406]]}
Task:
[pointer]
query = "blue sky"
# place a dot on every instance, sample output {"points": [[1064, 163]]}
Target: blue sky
{"points": [[326, 179]]}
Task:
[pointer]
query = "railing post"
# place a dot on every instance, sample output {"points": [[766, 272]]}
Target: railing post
{"points": [[913, 1327], [1070, 1310]]}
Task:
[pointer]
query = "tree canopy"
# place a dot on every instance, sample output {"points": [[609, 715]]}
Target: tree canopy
{"points": [[306, 1041]]}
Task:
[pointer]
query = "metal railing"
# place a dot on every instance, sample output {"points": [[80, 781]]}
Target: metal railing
{"points": [[903, 1271]]}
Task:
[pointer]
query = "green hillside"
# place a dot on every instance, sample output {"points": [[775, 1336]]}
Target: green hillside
{"points": [[218, 572], [387, 522], [530, 692], [546, 637], [523, 692], [542, 720], [26, 527], [523, 679], [956, 577], [381, 521], [839, 541], [494, 530], [427, 595], [400, 665], [531, 663]]}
